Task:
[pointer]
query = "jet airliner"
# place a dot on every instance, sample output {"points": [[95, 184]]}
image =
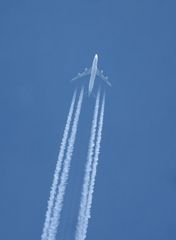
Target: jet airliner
{"points": [[93, 71]]}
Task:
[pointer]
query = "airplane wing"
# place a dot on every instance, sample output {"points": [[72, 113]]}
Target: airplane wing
{"points": [[80, 75], [103, 77]]}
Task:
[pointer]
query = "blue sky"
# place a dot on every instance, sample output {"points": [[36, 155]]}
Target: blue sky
{"points": [[44, 44]]}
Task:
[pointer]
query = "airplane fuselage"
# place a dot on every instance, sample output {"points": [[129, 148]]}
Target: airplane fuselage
{"points": [[93, 74]]}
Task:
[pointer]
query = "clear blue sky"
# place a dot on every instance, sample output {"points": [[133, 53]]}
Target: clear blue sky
{"points": [[43, 44]]}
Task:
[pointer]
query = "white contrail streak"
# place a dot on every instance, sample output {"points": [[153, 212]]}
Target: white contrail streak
{"points": [[65, 173], [53, 190], [85, 190], [94, 170], [93, 174]]}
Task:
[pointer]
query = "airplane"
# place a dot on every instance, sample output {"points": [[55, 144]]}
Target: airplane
{"points": [[93, 72]]}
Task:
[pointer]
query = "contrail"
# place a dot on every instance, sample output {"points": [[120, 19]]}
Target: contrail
{"points": [[94, 170], [88, 168], [53, 190], [65, 173]]}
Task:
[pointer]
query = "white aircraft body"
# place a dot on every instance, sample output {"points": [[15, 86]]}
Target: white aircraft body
{"points": [[93, 72]]}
